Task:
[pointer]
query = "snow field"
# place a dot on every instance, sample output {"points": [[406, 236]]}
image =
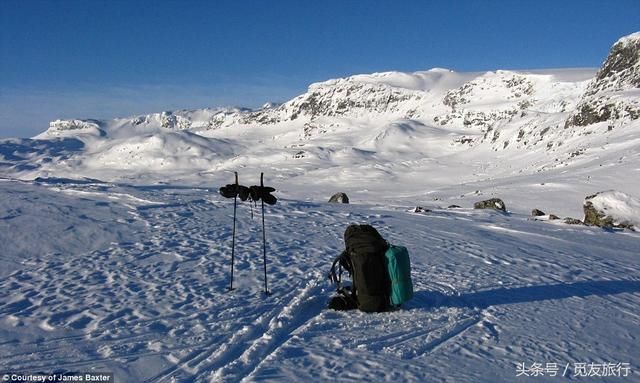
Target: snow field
{"points": [[139, 288]]}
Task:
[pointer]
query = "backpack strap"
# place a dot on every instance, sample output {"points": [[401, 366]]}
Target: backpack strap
{"points": [[346, 298], [335, 275]]}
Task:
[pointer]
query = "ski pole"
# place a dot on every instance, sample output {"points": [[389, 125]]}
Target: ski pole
{"points": [[233, 235], [264, 239]]}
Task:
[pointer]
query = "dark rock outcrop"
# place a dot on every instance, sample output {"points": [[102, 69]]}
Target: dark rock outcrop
{"points": [[537, 213], [619, 72], [493, 203], [595, 217], [339, 198], [573, 221]]}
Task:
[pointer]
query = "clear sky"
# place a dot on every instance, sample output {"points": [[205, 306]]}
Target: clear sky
{"points": [[104, 59]]}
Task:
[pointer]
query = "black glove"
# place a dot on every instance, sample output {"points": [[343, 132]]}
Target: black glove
{"points": [[263, 192], [235, 190]]}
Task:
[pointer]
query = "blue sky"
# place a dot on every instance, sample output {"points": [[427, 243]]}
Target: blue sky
{"points": [[104, 59]]}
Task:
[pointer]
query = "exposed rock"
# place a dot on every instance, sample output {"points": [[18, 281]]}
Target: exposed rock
{"points": [[573, 221], [604, 99], [493, 203], [169, 120], [339, 198], [622, 65], [537, 213], [420, 209], [553, 217], [59, 128], [612, 209], [350, 96], [453, 207]]}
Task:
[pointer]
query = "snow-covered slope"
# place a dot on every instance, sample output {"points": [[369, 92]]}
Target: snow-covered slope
{"points": [[133, 280]]}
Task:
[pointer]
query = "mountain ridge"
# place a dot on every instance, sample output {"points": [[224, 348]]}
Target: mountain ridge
{"points": [[432, 130]]}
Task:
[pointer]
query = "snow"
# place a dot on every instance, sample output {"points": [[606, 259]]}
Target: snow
{"points": [[633, 37], [133, 280], [436, 78], [622, 207], [417, 142]]}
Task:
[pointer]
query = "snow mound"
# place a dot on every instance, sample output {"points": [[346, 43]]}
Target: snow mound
{"points": [[412, 137], [424, 80], [419, 81], [160, 150]]}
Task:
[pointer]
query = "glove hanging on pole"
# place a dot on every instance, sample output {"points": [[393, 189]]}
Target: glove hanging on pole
{"points": [[235, 190], [263, 193], [255, 193]]}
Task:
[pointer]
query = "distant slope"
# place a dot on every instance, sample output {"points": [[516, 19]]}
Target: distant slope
{"points": [[434, 132]]}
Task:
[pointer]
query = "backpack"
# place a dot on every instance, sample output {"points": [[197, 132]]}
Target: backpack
{"points": [[364, 259], [399, 267]]}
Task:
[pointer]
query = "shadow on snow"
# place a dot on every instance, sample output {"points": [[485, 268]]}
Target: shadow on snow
{"points": [[19, 153], [505, 296]]}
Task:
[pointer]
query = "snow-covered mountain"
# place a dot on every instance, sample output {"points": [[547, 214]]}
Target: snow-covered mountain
{"points": [[436, 132]]}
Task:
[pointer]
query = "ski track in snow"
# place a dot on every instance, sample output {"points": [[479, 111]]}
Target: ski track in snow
{"points": [[152, 305]]}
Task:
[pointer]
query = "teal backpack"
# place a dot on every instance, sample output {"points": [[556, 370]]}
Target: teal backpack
{"points": [[399, 267]]}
